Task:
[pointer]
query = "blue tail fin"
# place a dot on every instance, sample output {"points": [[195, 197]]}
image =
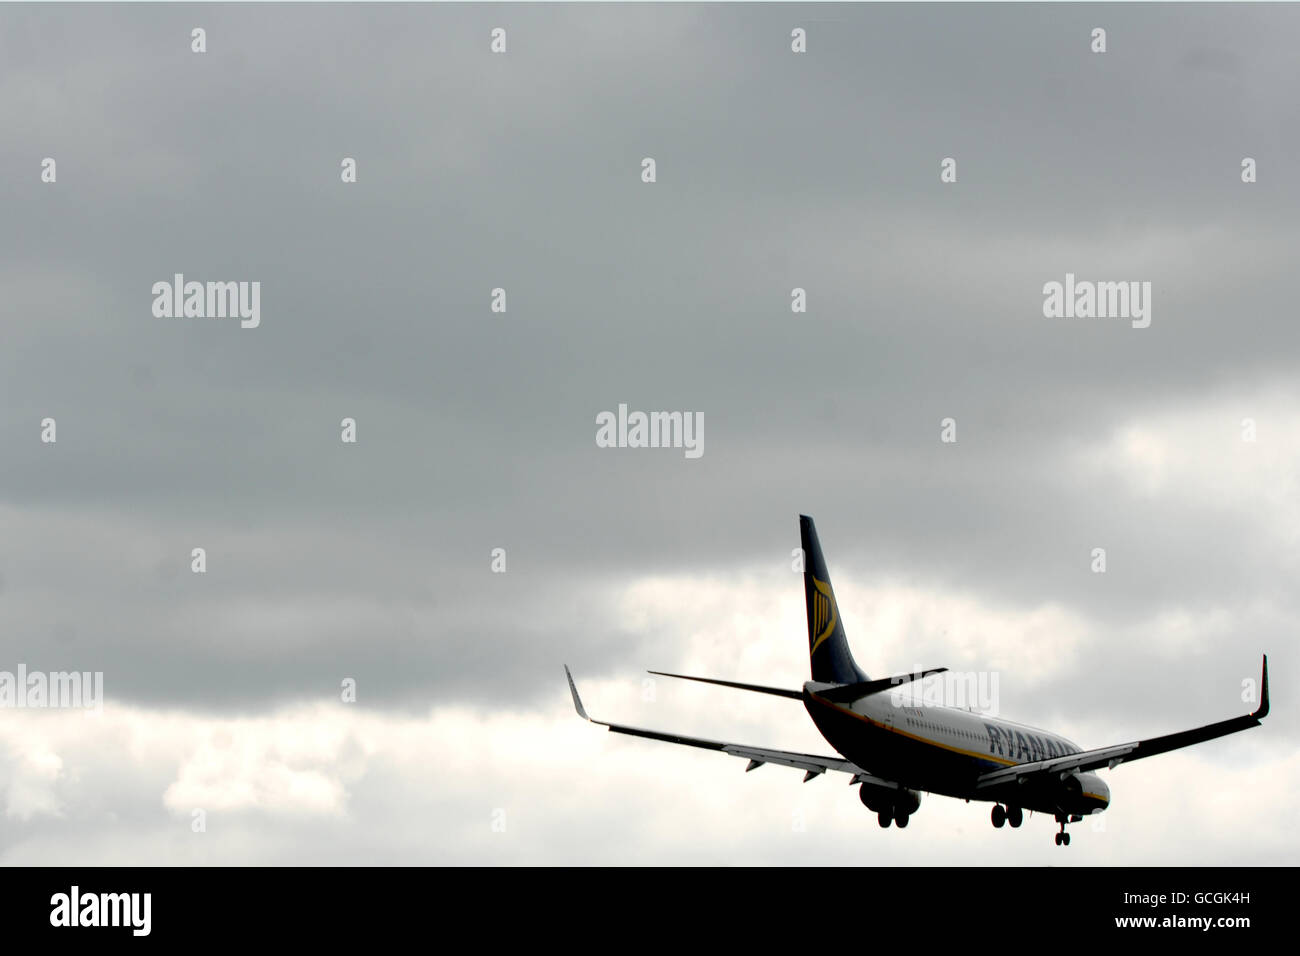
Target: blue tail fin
{"points": [[828, 649]]}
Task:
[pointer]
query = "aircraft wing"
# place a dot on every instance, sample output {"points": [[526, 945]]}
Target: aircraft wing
{"points": [[811, 764], [1122, 753]]}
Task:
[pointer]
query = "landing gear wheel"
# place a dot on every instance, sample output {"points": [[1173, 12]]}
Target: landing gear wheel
{"points": [[1058, 838], [900, 819], [884, 818], [1065, 839], [1062, 838], [999, 815], [1015, 816]]}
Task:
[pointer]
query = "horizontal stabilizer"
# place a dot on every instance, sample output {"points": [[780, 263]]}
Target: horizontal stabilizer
{"points": [[847, 693], [758, 688]]}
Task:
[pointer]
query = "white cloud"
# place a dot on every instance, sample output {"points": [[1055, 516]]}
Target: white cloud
{"points": [[1194, 457], [29, 779], [337, 784]]}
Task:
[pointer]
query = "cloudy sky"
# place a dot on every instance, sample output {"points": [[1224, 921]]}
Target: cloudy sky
{"points": [[476, 430]]}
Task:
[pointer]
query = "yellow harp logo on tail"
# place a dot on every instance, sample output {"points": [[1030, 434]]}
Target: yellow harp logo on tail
{"points": [[825, 614]]}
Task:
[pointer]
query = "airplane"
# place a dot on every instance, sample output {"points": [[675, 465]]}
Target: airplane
{"points": [[896, 751]]}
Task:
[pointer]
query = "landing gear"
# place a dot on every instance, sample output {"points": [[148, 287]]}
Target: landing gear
{"points": [[1062, 838], [895, 816], [1002, 815]]}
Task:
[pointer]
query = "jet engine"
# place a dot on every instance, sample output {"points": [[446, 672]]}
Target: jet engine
{"points": [[1081, 793], [888, 800]]}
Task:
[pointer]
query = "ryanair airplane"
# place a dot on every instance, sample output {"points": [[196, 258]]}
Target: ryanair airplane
{"points": [[897, 751]]}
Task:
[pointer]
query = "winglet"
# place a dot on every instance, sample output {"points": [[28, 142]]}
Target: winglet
{"points": [[577, 701], [1262, 711]]}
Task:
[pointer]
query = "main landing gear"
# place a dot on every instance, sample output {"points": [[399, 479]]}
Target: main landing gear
{"points": [[1013, 815], [890, 805], [1062, 838]]}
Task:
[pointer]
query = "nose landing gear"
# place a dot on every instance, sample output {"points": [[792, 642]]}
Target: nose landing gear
{"points": [[1015, 816]]}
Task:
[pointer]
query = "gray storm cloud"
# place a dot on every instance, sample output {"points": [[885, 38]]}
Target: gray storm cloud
{"points": [[476, 429]]}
